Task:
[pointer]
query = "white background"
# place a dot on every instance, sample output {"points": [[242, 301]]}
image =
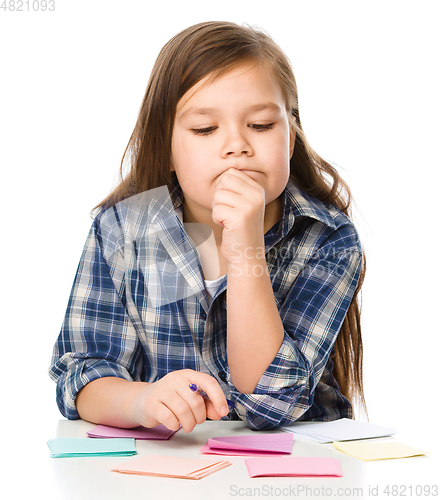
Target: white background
{"points": [[72, 81]]}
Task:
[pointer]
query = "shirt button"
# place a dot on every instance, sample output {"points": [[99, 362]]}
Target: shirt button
{"points": [[203, 315], [222, 376]]}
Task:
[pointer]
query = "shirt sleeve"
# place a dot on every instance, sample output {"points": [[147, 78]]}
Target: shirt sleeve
{"points": [[97, 338], [312, 313]]}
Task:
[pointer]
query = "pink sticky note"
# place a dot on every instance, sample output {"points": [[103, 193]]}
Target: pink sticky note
{"points": [[254, 445], [105, 431], [206, 450], [293, 466]]}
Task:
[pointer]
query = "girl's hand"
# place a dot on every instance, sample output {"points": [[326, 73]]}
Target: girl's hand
{"points": [[170, 401], [238, 205]]}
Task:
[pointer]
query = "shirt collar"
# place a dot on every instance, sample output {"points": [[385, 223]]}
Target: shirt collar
{"points": [[297, 203], [176, 195]]}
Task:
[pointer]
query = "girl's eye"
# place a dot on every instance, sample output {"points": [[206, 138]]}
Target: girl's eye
{"points": [[261, 128], [203, 131]]}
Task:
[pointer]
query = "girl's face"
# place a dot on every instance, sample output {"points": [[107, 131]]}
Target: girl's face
{"points": [[239, 120]]}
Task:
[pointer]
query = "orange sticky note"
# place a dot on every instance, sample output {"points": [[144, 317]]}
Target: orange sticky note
{"points": [[168, 466]]}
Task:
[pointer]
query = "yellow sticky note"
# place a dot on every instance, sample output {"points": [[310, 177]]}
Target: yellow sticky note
{"points": [[365, 450]]}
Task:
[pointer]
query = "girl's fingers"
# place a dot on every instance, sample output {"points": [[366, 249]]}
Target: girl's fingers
{"points": [[222, 213], [171, 401], [230, 176], [212, 413], [233, 191], [214, 393], [196, 403], [182, 412], [228, 198], [166, 417]]}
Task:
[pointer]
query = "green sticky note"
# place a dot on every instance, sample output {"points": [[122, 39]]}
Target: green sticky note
{"points": [[87, 447]]}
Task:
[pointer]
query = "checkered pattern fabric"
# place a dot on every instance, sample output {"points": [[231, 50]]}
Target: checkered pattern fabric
{"points": [[139, 309]]}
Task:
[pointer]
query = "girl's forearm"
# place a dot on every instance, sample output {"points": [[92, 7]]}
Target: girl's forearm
{"points": [[255, 331], [108, 401]]}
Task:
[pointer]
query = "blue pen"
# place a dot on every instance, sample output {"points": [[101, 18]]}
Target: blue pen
{"points": [[199, 391]]}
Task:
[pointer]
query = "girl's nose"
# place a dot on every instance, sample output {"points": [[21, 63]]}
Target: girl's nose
{"points": [[236, 145]]}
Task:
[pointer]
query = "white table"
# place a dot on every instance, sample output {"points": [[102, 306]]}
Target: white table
{"points": [[91, 478]]}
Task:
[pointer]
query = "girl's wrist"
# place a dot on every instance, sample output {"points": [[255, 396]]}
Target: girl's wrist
{"points": [[136, 401], [242, 254], [248, 268]]}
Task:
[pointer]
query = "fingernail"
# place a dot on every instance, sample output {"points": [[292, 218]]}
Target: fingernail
{"points": [[224, 410]]}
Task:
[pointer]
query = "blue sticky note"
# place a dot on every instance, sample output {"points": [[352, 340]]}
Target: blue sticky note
{"points": [[86, 447]]}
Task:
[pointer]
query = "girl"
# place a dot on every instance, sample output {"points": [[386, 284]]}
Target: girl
{"points": [[225, 258]]}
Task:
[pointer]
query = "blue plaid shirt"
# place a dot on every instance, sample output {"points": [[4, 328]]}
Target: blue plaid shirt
{"points": [[139, 309]]}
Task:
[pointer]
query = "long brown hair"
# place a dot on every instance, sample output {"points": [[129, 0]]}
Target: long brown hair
{"points": [[211, 49]]}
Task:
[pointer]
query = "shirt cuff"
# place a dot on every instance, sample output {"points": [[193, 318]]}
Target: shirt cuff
{"points": [[281, 395], [72, 374]]}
